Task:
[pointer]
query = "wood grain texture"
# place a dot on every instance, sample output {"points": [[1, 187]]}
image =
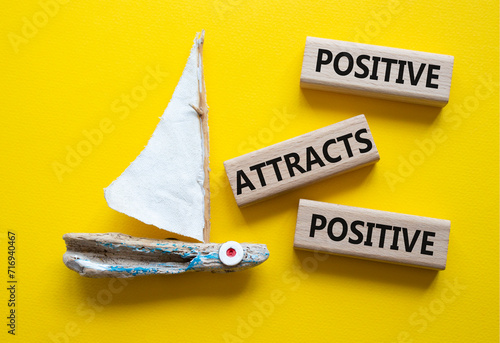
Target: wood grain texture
{"points": [[377, 71], [202, 111], [118, 255], [398, 238], [302, 160]]}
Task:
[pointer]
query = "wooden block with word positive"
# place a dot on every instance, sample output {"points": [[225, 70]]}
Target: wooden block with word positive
{"points": [[377, 71], [371, 234], [301, 160]]}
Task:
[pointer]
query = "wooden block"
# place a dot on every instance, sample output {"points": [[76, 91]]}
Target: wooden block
{"points": [[371, 234], [377, 71], [301, 160]]}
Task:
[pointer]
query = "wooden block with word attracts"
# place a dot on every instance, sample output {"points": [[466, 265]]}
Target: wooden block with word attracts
{"points": [[371, 234], [377, 71], [301, 160]]}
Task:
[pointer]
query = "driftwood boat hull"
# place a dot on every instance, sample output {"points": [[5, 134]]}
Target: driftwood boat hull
{"points": [[118, 255]]}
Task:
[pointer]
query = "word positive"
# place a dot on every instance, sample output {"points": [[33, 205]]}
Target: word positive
{"points": [[382, 72], [371, 234]]}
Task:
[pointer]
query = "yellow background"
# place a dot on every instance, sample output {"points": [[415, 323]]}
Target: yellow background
{"points": [[61, 77]]}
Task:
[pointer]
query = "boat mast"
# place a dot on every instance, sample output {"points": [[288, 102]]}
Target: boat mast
{"points": [[202, 111]]}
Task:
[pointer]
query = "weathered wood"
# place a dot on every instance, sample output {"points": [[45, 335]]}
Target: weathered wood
{"points": [[118, 255], [377, 71], [302, 160], [371, 234]]}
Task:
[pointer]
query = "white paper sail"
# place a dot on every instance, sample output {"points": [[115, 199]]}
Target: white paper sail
{"points": [[164, 186]]}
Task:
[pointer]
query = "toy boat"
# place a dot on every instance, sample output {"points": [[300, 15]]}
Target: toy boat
{"points": [[167, 185]]}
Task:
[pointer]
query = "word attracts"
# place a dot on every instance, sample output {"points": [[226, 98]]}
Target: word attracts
{"points": [[293, 162], [301, 160]]}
